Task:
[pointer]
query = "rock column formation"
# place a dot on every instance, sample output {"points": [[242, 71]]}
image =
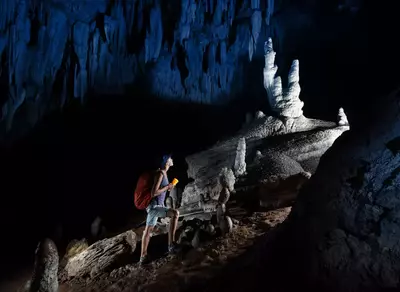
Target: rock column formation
{"points": [[313, 137], [284, 102], [45, 277], [240, 160]]}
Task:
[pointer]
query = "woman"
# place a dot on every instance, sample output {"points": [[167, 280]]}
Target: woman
{"points": [[157, 209]]}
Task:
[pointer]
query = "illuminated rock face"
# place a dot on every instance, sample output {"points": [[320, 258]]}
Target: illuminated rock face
{"points": [[187, 50], [288, 140], [284, 102], [44, 276], [346, 221], [183, 50]]}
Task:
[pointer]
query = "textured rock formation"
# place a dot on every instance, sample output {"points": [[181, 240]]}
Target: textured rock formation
{"points": [[264, 126], [73, 248], [278, 192], [270, 70], [240, 160], [58, 50], [342, 118], [272, 166], [289, 136], [227, 179], [346, 221], [99, 256], [280, 156], [285, 102], [44, 277]]}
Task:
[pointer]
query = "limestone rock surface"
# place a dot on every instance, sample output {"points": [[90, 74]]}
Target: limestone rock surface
{"points": [[347, 218]]}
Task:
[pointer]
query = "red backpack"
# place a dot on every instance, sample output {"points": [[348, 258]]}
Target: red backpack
{"points": [[144, 185]]}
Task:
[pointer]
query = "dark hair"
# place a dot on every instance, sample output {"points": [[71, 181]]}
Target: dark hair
{"points": [[165, 159]]}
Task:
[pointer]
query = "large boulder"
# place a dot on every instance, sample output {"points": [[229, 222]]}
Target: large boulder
{"points": [[98, 257], [346, 221]]}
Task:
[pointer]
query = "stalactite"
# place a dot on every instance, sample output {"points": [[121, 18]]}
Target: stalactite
{"points": [[99, 42], [212, 53], [80, 41], [120, 32], [231, 11], [223, 52], [217, 14], [185, 20], [153, 42], [251, 47], [63, 97], [130, 16], [56, 38], [94, 59], [270, 11], [255, 4], [7, 11], [256, 22]]}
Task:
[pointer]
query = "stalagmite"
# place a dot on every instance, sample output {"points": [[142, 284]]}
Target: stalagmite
{"points": [[291, 105], [45, 271], [259, 115], [342, 118], [240, 160], [270, 70], [285, 102]]}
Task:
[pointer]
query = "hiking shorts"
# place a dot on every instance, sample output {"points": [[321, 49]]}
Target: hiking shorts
{"points": [[154, 212]]}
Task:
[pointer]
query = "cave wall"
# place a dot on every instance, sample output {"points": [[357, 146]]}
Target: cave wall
{"points": [[345, 222], [190, 51]]}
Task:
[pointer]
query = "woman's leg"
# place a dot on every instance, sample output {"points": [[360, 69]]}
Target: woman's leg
{"points": [[146, 239], [173, 223]]}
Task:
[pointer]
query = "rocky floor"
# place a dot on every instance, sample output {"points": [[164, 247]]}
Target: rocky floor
{"points": [[193, 269]]}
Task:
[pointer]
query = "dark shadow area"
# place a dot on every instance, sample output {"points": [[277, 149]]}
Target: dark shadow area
{"points": [[334, 67], [85, 161]]}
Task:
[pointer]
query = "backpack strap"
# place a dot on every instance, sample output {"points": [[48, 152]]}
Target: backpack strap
{"points": [[160, 171]]}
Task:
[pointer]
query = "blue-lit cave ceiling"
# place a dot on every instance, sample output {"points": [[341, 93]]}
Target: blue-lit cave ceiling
{"points": [[194, 51]]}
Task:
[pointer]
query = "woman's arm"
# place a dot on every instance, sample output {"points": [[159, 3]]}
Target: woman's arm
{"points": [[156, 191]]}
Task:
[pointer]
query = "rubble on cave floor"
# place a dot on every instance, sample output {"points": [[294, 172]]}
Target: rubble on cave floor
{"points": [[192, 267]]}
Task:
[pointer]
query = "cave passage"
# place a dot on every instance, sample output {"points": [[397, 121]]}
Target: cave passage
{"points": [[84, 163]]}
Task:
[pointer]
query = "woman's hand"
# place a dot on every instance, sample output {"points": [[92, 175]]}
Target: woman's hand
{"points": [[170, 186]]}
